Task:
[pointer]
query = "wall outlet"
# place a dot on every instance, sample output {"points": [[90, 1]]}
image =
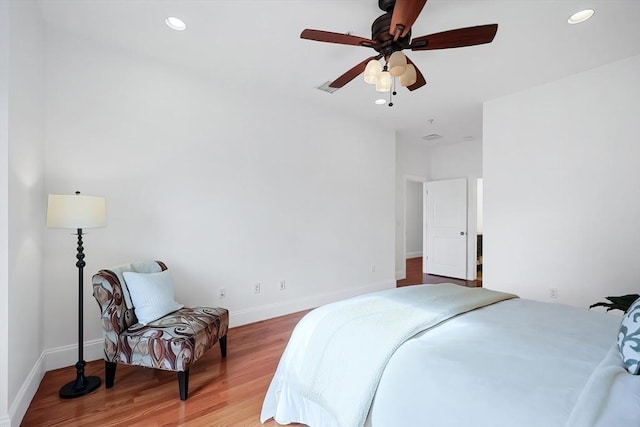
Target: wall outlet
{"points": [[283, 285], [222, 292], [256, 288], [553, 293], [373, 268]]}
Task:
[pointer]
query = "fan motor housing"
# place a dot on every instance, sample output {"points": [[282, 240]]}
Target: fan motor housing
{"points": [[380, 33], [386, 5]]}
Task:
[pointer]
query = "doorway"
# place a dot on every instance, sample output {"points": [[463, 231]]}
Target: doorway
{"points": [[413, 219], [410, 261], [409, 236]]}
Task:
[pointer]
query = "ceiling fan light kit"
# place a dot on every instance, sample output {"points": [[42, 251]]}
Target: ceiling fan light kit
{"points": [[397, 63], [409, 77], [372, 70], [383, 82], [390, 34], [382, 77]]}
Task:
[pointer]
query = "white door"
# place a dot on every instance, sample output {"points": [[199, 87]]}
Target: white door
{"points": [[446, 228]]}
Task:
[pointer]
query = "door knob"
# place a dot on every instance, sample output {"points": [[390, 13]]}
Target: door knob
{"points": [[462, 233]]}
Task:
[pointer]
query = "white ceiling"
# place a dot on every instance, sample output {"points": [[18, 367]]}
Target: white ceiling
{"points": [[259, 40]]}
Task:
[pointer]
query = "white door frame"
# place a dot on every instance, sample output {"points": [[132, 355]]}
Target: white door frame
{"points": [[401, 271]]}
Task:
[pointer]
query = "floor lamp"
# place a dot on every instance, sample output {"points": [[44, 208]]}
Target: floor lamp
{"points": [[77, 212]]}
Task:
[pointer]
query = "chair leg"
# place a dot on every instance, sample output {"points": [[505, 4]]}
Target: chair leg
{"points": [[223, 346], [183, 384], [109, 373]]}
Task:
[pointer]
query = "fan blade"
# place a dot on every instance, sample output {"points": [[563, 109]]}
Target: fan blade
{"points": [[420, 81], [461, 37], [339, 38], [405, 13], [351, 74]]}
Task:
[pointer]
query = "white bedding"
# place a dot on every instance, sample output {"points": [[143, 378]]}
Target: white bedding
{"points": [[611, 397], [514, 363], [338, 353]]}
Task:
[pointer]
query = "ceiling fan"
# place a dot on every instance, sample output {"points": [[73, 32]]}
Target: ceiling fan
{"points": [[390, 34]]}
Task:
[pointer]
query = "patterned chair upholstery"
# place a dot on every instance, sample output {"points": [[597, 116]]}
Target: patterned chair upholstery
{"points": [[172, 343]]}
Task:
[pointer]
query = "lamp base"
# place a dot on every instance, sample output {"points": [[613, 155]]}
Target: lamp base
{"points": [[71, 390]]}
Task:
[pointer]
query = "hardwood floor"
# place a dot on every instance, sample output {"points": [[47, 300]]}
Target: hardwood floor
{"points": [[222, 393], [415, 276]]}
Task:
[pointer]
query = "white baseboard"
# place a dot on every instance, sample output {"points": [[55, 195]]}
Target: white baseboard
{"points": [[49, 360], [256, 314], [25, 395], [64, 356], [67, 355], [417, 254]]}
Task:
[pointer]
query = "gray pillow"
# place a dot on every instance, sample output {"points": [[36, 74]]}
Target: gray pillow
{"points": [[629, 338]]}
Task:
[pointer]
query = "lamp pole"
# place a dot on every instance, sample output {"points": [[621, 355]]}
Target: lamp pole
{"points": [[61, 208], [82, 384]]}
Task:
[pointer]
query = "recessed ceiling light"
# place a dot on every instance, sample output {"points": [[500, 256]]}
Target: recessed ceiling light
{"points": [[175, 23], [380, 101], [581, 16]]}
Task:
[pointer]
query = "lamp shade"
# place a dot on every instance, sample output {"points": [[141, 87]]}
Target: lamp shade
{"points": [[384, 82], [76, 211], [397, 63], [409, 77], [372, 71]]}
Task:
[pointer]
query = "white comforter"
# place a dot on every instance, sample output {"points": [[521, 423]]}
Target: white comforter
{"points": [[338, 353], [514, 363]]}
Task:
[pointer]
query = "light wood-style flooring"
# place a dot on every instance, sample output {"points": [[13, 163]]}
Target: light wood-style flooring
{"points": [[222, 392], [416, 277]]}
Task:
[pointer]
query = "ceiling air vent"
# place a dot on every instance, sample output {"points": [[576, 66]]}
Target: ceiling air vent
{"points": [[326, 88], [432, 137]]}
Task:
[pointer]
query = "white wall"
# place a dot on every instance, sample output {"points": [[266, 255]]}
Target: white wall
{"points": [[479, 210], [414, 218], [4, 214], [561, 187], [460, 160], [228, 185], [26, 206]]}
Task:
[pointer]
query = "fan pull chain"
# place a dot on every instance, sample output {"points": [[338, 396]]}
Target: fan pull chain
{"points": [[392, 91]]}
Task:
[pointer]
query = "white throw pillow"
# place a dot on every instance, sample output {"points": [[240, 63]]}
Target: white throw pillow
{"points": [[629, 339], [151, 294]]}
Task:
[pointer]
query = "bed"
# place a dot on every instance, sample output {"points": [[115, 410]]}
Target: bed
{"points": [[446, 355]]}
